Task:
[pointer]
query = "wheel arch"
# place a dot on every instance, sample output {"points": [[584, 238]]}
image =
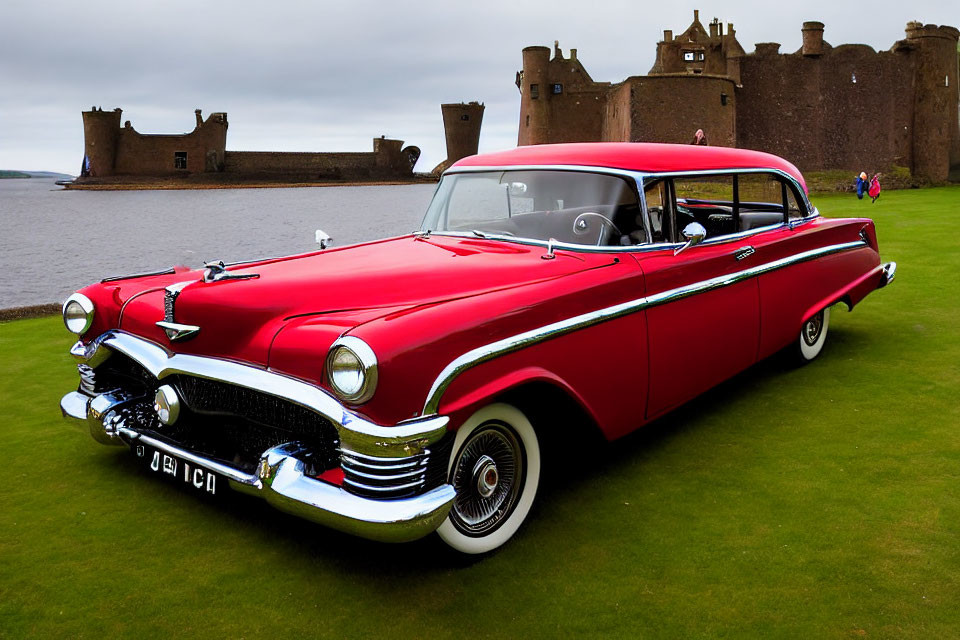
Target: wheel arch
{"points": [[540, 394]]}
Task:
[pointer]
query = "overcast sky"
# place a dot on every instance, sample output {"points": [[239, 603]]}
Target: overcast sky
{"points": [[330, 76]]}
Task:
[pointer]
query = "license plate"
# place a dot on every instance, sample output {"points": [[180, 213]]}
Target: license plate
{"points": [[178, 469]]}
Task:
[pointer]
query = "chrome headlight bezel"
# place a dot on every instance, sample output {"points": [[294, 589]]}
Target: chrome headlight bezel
{"points": [[365, 368], [82, 308]]}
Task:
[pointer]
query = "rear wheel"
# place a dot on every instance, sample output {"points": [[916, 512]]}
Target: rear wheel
{"points": [[495, 469], [812, 336]]}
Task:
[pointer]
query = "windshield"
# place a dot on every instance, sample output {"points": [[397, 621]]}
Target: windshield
{"points": [[576, 207]]}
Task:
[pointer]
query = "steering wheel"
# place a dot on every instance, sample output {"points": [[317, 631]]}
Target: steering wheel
{"points": [[581, 226]]}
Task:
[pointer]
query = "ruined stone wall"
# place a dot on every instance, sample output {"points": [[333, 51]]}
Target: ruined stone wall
{"points": [[670, 108], [313, 165], [155, 155], [389, 159]]}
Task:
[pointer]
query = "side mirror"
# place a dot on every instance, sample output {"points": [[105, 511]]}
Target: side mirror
{"points": [[694, 233], [323, 239]]}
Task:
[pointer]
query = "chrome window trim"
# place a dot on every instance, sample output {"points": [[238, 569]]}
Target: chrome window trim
{"points": [[356, 433], [638, 177], [514, 343]]}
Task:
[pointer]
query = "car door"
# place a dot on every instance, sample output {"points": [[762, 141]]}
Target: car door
{"points": [[704, 321]]}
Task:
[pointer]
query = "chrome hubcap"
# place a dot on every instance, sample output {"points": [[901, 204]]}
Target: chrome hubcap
{"points": [[487, 474], [812, 329], [487, 477]]}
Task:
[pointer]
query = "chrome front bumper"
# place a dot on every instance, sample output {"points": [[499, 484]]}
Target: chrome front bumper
{"points": [[280, 477]]}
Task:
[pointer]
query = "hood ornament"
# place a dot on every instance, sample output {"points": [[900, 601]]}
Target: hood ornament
{"points": [[216, 271]]}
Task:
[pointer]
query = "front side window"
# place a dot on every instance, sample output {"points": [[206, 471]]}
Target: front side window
{"points": [[179, 159], [575, 207]]}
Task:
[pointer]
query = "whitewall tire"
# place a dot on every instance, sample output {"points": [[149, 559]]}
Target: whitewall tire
{"points": [[495, 468], [812, 335]]}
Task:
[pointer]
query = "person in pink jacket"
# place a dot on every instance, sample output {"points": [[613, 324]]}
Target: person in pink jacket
{"points": [[874, 191]]}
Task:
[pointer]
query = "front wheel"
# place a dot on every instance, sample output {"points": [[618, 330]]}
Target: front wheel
{"points": [[812, 336], [495, 469]]}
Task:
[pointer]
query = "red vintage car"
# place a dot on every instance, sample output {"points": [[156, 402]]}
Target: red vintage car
{"points": [[404, 386]]}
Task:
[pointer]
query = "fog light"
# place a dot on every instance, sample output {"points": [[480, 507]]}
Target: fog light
{"points": [[166, 404]]}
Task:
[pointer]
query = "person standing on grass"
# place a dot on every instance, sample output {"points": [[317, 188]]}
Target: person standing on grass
{"points": [[874, 191], [863, 185]]}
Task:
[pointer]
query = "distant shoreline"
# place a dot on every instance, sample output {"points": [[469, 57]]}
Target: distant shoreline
{"points": [[173, 186]]}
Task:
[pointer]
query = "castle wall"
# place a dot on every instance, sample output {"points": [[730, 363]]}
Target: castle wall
{"points": [[618, 114], [155, 155], [389, 159], [670, 108], [847, 107], [835, 111]]}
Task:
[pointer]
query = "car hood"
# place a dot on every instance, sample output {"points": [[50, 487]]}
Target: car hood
{"points": [[238, 318]]}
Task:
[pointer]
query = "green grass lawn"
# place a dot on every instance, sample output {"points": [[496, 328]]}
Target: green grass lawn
{"points": [[814, 502]]}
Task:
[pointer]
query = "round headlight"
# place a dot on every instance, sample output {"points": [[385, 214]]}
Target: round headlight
{"points": [[352, 369], [78, 313]]}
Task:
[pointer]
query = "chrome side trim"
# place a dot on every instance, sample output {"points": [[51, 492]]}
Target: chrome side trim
{"points": [[356, 433], [520, 341]]}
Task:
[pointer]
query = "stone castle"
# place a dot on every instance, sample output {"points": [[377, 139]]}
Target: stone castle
{"points": [[822, 107], [121, 153]]}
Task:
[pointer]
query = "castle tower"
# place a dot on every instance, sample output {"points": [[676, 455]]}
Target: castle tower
{"points": [[534, 96], [936, 132], [461, 126], [101, 129]]}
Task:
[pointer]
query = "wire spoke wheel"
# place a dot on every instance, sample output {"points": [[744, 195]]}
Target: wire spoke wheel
{"points": [[487, 474], [495, 469], [813, 334]]}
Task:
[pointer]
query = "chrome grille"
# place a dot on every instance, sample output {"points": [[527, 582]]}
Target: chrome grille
{"points": [[88, 379], [384, 478]]}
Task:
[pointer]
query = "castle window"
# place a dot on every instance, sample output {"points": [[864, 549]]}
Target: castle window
{"points": [[556, 88], [534, 91], [179, 159], [723, 99], [688, 56], [528, 119], [465, 117]]}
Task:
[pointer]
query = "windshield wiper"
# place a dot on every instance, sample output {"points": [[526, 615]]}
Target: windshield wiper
{"points": [[479, 234]]}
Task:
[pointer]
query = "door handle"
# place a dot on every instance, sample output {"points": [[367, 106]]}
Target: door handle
{"points": [[744, 252]]}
